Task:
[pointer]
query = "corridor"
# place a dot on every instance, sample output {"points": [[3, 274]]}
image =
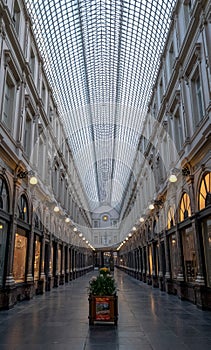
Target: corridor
{"points": [[148, 319]]}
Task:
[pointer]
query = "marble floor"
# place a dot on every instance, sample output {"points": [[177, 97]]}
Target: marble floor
{"points": [[148, 319]]}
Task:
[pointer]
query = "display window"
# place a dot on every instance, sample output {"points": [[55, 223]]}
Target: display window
{"points": [[156, 260], [4, 195], [185, 208], [51, 261], [4, 206], [173, 255], [205, 191], [170, 220], [3, 239], [59, 259], [206, 233], [37, 259], [20, 252], [23, 210], [189, 255], [150, 259]]}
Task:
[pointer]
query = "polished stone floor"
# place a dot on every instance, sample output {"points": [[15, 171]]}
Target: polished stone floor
{"points": [[148, 319]]}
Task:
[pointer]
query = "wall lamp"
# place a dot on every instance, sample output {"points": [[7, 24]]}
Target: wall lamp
{"points": [[173, 176], [56, 209], [23, 174]]}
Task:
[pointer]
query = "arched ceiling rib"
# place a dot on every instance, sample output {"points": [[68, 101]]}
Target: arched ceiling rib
{"points": [[101, 58]]}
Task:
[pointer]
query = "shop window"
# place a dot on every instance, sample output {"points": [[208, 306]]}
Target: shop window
{"points": [[150, 260], [171, 220], [59, 260], [27, 135], [55, 178], [197, 99], [178, 130], [23, 210], [189, 255], [9, 93], [20, 253], [37, 259], [163, 258], [171, 57], [114, 223], [37, 222], [205, 191], [43, 94], [3, 239], [184, 209], [187, 10], [16, 16], [32, 62], [51, 262], [206, 233], [96, 223], [41, 159], [4, 195], [173, 256]]}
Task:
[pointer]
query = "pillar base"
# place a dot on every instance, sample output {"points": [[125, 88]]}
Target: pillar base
{"points": [[10, 282], [200, 280]]}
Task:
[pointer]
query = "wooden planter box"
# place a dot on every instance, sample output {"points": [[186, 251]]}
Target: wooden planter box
{"points": [[103, 309]]}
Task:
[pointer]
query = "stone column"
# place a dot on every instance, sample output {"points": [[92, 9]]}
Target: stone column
{"points": [[71, 262], [67, 267], [180, 275], [56, 272], [29, 276], [42, 262], [154, 265], [74, 262], [61, 281], [149, 277], [10, 283], [50, 262], [10, 298], [140, 264], [160, 272], [167, 274], [144, 264], [200, 279]]}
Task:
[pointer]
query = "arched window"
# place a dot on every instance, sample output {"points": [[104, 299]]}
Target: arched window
{"points": [[37, 221], [171, 220], [23, 210], [4, 195], [184, 209], [205, 191]]}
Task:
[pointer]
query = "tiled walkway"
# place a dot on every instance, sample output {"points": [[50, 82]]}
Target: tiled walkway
{"points": [[148, 319]]}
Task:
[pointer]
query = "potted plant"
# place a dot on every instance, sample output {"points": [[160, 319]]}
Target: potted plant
{"points": [[103, 298]]}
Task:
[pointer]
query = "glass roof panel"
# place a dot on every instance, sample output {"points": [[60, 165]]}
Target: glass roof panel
{"points": [[101, 59]]}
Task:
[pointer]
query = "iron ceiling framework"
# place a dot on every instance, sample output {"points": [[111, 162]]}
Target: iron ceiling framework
{"points": [[101, 59]]}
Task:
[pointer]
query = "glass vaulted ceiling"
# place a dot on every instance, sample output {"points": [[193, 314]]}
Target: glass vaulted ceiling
{"points": [[101, 58]]}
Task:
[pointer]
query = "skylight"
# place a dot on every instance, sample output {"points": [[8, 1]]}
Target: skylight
{"points": [[101, 58]]}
